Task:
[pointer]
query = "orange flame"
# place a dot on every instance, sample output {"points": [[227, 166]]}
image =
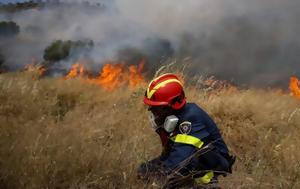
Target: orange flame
{"points": [[295, 86], [76, 70], [34, 67], [41, 70], [135, 76], [111, 75]]}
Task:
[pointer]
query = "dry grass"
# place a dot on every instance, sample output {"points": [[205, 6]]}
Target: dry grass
{"points": [[69, 134]]}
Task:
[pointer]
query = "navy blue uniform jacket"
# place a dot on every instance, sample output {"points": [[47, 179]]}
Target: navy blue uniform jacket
{"points": [[202, 127]]}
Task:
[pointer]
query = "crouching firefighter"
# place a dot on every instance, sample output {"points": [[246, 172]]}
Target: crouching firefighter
{"points": [[194, 152]]}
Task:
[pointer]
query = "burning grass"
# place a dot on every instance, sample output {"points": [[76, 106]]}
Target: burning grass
{"points": [[111, 76], [295, 86], [57, 133]]}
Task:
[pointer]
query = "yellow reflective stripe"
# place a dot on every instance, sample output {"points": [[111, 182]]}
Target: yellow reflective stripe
{"points": [[159, 85], [155, 80], [205, 179], [149, 88], [188, 139]]}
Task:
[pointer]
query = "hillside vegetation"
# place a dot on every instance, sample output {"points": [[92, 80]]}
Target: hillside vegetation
{"points": [[57, 133]]}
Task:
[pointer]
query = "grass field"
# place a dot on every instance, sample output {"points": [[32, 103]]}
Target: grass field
{"points": [[57, 133]]}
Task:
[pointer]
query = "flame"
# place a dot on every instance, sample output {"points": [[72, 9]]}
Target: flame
{"points": [[76, 70], [295, 86], [135, 76], [41, 70], [38, 69], [34, 67], [111, 76]]}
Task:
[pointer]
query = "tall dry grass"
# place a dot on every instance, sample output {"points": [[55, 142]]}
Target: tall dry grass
{"points": [[69, 134]]}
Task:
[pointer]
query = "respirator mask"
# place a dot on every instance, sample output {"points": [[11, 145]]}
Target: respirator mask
{"points": [[169, 124]]}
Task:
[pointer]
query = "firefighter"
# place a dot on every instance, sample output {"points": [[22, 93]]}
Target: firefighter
{"points": [[184, 129]]}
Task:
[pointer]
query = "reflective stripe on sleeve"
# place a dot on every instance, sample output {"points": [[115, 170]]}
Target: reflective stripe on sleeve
{"points": [[187, 139], [205, 179]]}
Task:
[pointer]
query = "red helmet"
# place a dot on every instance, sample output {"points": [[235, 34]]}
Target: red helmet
{"points": [[165, 90]]}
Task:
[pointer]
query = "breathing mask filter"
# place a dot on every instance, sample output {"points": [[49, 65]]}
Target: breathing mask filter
{"points": [[169, 124]]}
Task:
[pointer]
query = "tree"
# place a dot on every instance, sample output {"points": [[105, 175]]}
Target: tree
{"points": [[8, 29], [60, 50]]}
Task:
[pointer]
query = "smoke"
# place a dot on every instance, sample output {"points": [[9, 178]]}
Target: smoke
{"points": [[252, 43]]}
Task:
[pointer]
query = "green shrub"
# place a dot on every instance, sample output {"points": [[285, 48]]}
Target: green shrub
{"points": [[9, 29], [59, 50]]}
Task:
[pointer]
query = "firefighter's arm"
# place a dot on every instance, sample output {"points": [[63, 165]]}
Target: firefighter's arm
{"points": [[186, 143], [177, 154]]}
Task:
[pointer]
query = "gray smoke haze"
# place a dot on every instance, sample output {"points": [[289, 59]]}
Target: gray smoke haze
{"points": [[252, 43]]}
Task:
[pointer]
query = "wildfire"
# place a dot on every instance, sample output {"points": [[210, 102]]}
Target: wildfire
{"points": [[76, 70], [34, 67], [295, 86], [135, 76], [111, 76]]}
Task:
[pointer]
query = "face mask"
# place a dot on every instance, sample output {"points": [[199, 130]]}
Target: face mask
{"points": [[152, 121], [160, 113], [169, 124]]}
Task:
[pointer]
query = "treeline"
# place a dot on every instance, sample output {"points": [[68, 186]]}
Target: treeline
{"points": [[57, 51], [15, 7], [154, 52], [54, 52]]}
